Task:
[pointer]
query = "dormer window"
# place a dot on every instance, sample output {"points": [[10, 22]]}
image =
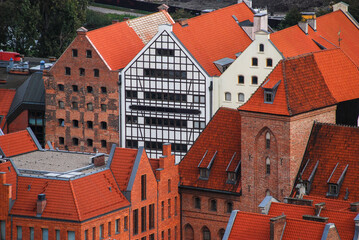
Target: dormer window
{"points": [[333, 189], [336, 179], [204, 173], [232, 177], [268, 96]]}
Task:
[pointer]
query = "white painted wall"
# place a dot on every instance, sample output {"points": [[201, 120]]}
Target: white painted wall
{"points": [[228, 81]]}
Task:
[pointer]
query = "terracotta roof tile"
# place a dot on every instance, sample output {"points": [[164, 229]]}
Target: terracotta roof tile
{"points": [[308, 82], [122, 164], [215, 35], [222, 134], [6, 97], [16, 143], [332, 204], [11, 175], [332, 144], [77, 200]]}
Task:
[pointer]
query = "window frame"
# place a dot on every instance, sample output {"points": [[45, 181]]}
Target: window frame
{"points": [[254, 62], [240, 79]]}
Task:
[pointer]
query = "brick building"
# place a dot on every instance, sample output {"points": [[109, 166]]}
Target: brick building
{"points": [[82, 98], [54, 194]]}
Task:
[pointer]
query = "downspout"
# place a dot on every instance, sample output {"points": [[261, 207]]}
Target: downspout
{"points": [[180, 193], [129, 222], [119, 107], [157, 210], [11, 229], [211, 98]]}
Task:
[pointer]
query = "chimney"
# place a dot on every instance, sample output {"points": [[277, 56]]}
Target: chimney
{"points": [[296, 201], [311, 19], [41, 204], [318, 208], [81, 31], [166, 149], [340, 6], [277, 226], [98, 160], [356, 233], [303, 24], [315, 218], [354, 207], [260, 22], [163, 7]]}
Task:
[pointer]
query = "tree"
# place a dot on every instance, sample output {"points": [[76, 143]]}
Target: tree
{"points": [[291, 18], [181, 13]]}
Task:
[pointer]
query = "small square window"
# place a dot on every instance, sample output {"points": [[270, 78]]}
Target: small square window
{"points": [[75, 105], [61, 122], [82, 71], [89, 142], [61, 87], [61, 140], [96, 73], [75, 123], [67, 71], [254, 61], [103, 125], [90, 107], [103, 90], [75, 141], [89, 124], [75, 88], [61, 105], [89, 89], [103, 107], [103, 143], [88, 53], [74, 53]]}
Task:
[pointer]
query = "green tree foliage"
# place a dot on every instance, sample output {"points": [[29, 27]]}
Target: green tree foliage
{"points": [[96, 20], [40, 27], [181, 13], [291, 18]]}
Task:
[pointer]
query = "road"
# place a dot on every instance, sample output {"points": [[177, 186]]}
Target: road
{"points": [[106, 10]]}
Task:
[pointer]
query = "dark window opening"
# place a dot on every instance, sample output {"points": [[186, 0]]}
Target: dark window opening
{"points": [[74, 53], [88, 53], [269, 62], [96, 73], [61, 87], [89, 89], [82, 71], [75, 88], [61, 122], [131, 119], [61, 105], [268, 97], [75, 105], [241, 79], [89, 124], [153, 145], [165, 52], [203, 173], [159, 96], [162, 73], [131, 144], [75, 123], [267, 165], [103, 107], [131, 94], [135, 221], [213, 205], [151, 216], [165, 122], [89, 142], [67, 71], [103, 125], [254, 61], [197, 203], [103, 90], [143, 219], [261, 47], [169, 208], [143, 187], [103, 143], [75, 141], [177, 147], [229, 207], [61, 140], [254, 80]]}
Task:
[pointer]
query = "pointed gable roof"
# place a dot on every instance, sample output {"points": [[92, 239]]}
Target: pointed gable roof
{"points": [[332, 144], [308, 82], [17, 143], [222, 136], [75, 200], [215, 35]]}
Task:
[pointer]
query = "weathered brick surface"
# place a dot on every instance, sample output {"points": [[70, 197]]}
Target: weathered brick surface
{"points": [[288, 139], [107, 78]]}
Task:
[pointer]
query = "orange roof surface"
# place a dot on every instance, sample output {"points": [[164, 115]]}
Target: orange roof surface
{"points": [[118, 44], [257, 226], [122, 164], [308, 82], [332, 144], [76, 200], [6, 97], [333, 204], [11, 175], [222, 134], [215, 35], [16, 143], [343, 220]]}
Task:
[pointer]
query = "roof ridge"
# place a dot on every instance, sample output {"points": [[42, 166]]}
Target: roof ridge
{"points": [[75, 200], [219, 10], [286, 88], [336, 125]]}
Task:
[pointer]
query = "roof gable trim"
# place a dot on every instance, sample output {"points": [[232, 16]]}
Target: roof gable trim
{"points": [[135, 168]]}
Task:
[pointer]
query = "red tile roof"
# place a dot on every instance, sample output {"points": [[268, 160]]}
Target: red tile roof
{"points": [[222, 134], [76, 200], [216, 35], [16, 143], [308, 82], [333, 204], [11, 175], [332, 144], [122, 164], [6, 97], [118, 44], [257, 226], [343, 220]]}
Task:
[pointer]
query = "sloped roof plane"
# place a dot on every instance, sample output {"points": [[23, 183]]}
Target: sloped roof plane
{"points": [[16, 143]]}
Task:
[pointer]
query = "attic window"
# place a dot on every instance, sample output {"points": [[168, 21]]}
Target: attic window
{"points": [[204, 173], [232, 177], [333, 189], [268, 96]]}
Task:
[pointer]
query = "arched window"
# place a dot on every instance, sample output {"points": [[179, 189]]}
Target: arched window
{"points": [[221, 233], [261, 47], [227, 96], [254, 61], [240, 79], [267, 165], [213, 205], [254, 80], [240, 97], [206, 233], [267, 140], [188, 232]]}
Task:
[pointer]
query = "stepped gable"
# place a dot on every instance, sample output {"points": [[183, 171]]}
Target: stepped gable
{"points": [[216, 148]]}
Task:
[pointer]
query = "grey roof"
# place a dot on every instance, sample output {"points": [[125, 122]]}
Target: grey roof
{"points": [[31, 94], [224, 61], [246, 23]]}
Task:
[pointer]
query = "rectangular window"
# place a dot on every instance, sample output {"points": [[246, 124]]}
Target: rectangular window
{"points": [[268, 97], [169, 234], [135, 221], [74, 52], [118, 225], [57, 232], [143, 219], [67, 71], [177, 147], [125, 223], [169, 208], [175, 233], [19, 232], [160, 96], [162, 73], [96, 73], [131, 119], [131, 94], [163, 235], [70, 235], [88, 53], [101, 231], [32, 234], [151, 216], [93, 233], [152, 236], [103, 107], [82, 71], [162, 210], [109, 229], [143, 187], [45, 234], [175, 206], [86, 234], [165, 52]]}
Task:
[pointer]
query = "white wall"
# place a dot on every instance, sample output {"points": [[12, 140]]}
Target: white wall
{"points": [[228, 81]]}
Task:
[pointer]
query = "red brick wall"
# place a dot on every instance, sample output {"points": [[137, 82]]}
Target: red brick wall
{"points": [[289, 136], [106, 79], [198, 218]]}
